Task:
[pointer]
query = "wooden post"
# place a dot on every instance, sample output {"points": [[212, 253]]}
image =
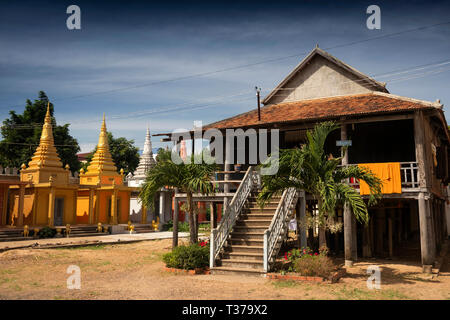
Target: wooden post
{"points": [[301, 227], [51, 207], [380, 231], [390, 235], [21, 201], [227, 167]]}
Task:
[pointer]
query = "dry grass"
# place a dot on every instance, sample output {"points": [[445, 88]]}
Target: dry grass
{"points": [[134, 271]]}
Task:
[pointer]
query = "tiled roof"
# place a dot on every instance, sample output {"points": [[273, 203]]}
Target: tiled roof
{"points": [[324, 108]]}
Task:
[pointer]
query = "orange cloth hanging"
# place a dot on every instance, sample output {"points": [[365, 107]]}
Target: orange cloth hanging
{"points": [[388, 172]]}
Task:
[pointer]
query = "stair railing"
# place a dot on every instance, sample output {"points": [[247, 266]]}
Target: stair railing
{"points": [[277, 226], [220, 234]]}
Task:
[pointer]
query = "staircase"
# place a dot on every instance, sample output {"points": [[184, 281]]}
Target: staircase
{"points": [[249, 237], [244, 252], [85, 231], [11, 235], [143, 228]]}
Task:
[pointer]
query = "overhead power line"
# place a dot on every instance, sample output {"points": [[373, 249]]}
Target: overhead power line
{"points": [[207, 73]]}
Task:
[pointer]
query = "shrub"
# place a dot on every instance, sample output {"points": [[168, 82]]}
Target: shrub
{"points": [[47, 232], [182, 226], [317, 265], [188, 257]]}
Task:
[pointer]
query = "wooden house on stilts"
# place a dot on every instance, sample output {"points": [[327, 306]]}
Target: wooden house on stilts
{"points": [[403, 140]]}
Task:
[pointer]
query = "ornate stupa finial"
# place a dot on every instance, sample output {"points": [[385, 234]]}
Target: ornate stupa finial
{"points": [[45, 161], [146, 161], [102, 164]]}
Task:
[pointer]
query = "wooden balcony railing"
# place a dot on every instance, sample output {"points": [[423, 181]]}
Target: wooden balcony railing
{"points": [[408, 174]]}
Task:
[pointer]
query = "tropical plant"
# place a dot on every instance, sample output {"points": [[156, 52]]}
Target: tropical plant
{"points": [[21, 134], [309, 168], [188, 177]]}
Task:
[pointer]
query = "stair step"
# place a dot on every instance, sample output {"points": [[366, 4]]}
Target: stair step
{"points": [[259, 210], [242, 256], [249, 229], [250, 242], [244, 248], [254, 223], [256, 216], [237, 271], [247, 264]]}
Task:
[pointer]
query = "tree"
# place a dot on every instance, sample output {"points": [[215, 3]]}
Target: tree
{"points": [[310, 169], [123, 152], [21, 134], [189, 178]]}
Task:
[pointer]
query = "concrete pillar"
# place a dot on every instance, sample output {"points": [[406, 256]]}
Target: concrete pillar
{"points": [[51, 207], [21, 202], [426, 240], [114, 207], [212, 212], [162, 205], [91, 206], [175, 220], [97, 206], [354, 239], [348, 239], [143, 214], [302, 216]]}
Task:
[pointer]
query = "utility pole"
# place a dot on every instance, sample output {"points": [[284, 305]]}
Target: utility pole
{"points": [[258, 99]]}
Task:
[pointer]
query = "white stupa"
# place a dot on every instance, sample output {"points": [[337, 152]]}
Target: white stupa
{"points": [[146, 162]]}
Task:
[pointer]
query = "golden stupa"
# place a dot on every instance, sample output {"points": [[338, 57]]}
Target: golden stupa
{"points": [[45, 165], [101, 170]]}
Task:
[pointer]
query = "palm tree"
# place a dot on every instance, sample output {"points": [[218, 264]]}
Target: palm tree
{"points": [[309, 168], [190, 178]]}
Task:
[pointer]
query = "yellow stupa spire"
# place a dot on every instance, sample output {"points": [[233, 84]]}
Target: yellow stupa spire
{"points": [[102, 165], [45, 157]]}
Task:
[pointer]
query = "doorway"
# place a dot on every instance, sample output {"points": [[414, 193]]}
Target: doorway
{"points": [[59, 212]]}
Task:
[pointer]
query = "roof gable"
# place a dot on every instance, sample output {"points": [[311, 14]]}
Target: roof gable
{"points": [[321, 75]]}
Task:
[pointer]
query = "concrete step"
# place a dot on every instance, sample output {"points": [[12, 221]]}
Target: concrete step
{"points": [[237, 271], [15, 239], [244, 249], [242, 264], [242, 229], [256, 216], [248, 242], [247, 235], [258, 211], [243, 256], [254, 223]]}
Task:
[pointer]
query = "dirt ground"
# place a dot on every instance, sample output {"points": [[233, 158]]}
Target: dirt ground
{"points": [[135, 271]]}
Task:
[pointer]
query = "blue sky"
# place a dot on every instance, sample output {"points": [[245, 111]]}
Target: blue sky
{"points": [[112, 63]]}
